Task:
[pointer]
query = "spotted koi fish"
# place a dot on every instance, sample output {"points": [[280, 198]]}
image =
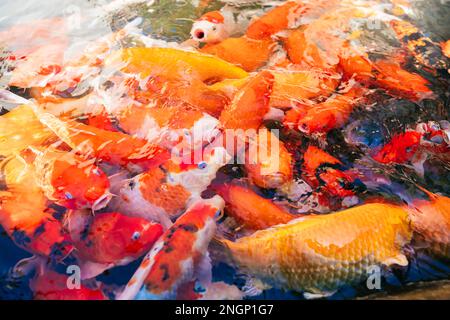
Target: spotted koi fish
{"points": [[164, 192], [109, 239], [426, 52], [71, 181], [175, 259], [27, 216]]}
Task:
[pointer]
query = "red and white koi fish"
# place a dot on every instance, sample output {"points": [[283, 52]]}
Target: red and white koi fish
{"points": [[416, 146], [109, 239], [69, 180], [214, 27], [179, 256]]}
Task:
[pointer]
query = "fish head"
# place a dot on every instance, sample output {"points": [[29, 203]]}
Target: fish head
{"points": [[78, 186], [210, 28], [196, 170], [112, 238]]}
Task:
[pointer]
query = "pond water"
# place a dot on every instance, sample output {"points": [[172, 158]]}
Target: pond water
{"points": [[171, 21]]}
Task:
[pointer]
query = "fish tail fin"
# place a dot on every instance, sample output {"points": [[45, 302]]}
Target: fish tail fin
{"points": [[219, 250]]}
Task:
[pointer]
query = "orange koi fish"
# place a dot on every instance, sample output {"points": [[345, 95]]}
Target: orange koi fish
{"points": [[400, 82], [416, 146], [250, 209], [110, 239], [25, 213], [302, 50], [305, 256], [112, 147], [250, 105], [330, 114], [164, 192], [70, 180], [173, 64], [50, 285], [268, 163], [19, 129], [276, 20], [165, 75], [178, 256], [252, 53], [293, 86], [431, 220], [446, 48]]}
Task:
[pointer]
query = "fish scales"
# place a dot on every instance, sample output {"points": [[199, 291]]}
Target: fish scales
{"points": [[322, 253]]}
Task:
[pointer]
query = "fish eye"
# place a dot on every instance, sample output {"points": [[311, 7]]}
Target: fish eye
{"points": [[202, 165], [214, 28], [68, 196], [136, 235], [132, 184]]}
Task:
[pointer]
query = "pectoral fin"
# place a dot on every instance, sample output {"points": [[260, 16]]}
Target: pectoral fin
{"points": [[399, 260]]}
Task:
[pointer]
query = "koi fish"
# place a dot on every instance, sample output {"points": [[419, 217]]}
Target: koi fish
{"points": [[19, 129], [399, 82], [173, 64], [426, 52], [446, 48], [250, 209], [129, 91], [25, 213], [268, 163], [294, 86], [50, 285], [170, 126], [164, 192], [276, 20], [289, 256], [252, 54], [213, 27], [415, 146], [431, 221], [112, 147], [400, 149], [250, 105], [302, 50], [321, 170], [178, 256], [109, 239], [330, 114], [71, 181]]}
